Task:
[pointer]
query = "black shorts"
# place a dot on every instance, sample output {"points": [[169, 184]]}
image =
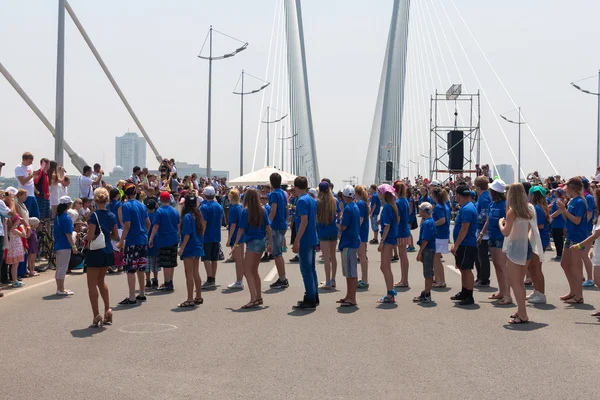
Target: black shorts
{"points": [[211, 252], [465, 257], [167, 256], [134, 258], [99, 259]]}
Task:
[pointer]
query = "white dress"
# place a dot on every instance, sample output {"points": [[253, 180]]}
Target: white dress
{"points": [[523, 232]]}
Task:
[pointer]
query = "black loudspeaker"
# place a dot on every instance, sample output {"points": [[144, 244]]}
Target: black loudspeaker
{"points": [[389, 167], [456, 150]]}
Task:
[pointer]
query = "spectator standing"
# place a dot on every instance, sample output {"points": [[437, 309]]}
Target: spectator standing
{"points": [[166, 228], [25, 175], [212, 212], [85, 182], [42, 189], [482, 263], [279, 225], [63, 244]]}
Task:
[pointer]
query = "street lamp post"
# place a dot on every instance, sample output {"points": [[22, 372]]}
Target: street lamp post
{"points": [[597, 94], [210, 59], [241, 93], [518, 123]]}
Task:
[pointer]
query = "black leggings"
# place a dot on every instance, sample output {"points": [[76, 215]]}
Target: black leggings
{"points": [[559, 240], [293, 238]]}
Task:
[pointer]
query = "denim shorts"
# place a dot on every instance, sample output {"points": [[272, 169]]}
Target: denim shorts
{"points": [[349, 262], [256, 246], [496, 243], [278, 238], [529, 251], [374, 225], [327, 238]]}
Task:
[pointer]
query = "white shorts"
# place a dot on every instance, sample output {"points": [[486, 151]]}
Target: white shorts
{"points": [[441, 246]]}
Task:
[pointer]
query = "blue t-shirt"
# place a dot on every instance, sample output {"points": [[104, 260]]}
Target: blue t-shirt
{"points": [[364, 214], [497, 211], [545, 231], [279, 221], [254, 232], [591, 207], [167, 219], [212, 212], [306, 205], [328, 230], [559, 221], [63, 226], [427, 232], [577, 208], [108, 221], [403, 211], [113, 207], [388, 217], [234, 217], [483, 209], [194, 247], [375, 205], [424, 199], [351, 220], [442, 211], [134, 212], [466, 214], [152, 252]]}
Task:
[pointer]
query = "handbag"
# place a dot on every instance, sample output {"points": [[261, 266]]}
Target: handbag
{"points": [[99, 242]]}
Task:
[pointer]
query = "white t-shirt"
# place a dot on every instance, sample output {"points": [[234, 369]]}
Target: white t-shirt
{"points": [[56, 192], [596, 258], [85, 187], [22, 170]]}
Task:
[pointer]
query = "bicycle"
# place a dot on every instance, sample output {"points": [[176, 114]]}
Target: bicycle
{"points": [[46, 246]]}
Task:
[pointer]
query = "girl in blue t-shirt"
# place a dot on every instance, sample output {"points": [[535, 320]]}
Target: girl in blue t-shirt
{"points": [[404, 235], [389, 230], [256, 225], [327, 230], [496, 240], [441, 216], [191, 231], [558, 223], [237, 253], [542, 212], [362, 200], [575, 214]]}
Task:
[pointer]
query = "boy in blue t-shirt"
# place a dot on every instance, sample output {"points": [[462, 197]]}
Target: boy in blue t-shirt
{"points": [[152, 261], [349, 244], [426, 253]]}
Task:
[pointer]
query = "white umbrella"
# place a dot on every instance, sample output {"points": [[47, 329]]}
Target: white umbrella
{"points": [[261, 177]]}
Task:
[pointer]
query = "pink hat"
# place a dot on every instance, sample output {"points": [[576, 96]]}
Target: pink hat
{"points": [[385, 188]]}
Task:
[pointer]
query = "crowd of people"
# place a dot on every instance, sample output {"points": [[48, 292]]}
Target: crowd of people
{"points": [[147, 222]]}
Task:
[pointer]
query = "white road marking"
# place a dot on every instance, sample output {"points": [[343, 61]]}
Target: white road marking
{"points": [[452, 268], [147, 327], [271, 275]]}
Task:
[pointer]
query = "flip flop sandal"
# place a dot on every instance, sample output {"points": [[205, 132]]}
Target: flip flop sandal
{"points": [[400, 285], [186, 304], [513, 316], [496, 297], [596, 314], [340, 301], [348, 304], [439, 285], [574, 300], [198, 300], [567, 297], [252, 304], [505, 302], [517, 320], [386, 300]]}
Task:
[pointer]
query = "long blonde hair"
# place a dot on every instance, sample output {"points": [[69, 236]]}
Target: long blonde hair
{"points": [[326, 207], [516, 200], [361, 194], [390, 199]]}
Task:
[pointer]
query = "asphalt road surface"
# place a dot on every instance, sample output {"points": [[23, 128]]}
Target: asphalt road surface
{"points": [[216, 350]]}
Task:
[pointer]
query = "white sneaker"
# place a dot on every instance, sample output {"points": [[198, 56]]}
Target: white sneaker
{"points": [[236, 286], [532, 294], [539, 298]]}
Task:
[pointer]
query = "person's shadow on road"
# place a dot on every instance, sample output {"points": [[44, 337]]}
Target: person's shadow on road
{"points": [[86, 332]]}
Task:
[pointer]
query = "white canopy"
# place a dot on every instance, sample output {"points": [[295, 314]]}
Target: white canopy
{"points": [[261, 177]]}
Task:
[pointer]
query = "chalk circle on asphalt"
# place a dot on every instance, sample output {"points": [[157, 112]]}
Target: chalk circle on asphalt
{"points": [[147, 327]]}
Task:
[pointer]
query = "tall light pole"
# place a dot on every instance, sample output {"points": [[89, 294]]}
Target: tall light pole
{"points": [[59, 137], [598, 122], [518, 123], [210, 59], [241, 93], [269, 122]]}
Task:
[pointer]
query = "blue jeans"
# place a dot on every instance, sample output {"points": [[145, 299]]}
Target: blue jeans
{"points": [[32, 207], [309, 271]]}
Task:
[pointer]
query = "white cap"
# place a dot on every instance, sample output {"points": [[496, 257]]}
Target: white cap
{"points": [[312, 192], [209, 191], [436, 183], [65, 200], [11, 190], [348, 191], [425, 206], [33, 221], [498, 186]]}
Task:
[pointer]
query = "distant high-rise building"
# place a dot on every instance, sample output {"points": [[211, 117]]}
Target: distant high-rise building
{"points": [[506, 173], [130, 151]]}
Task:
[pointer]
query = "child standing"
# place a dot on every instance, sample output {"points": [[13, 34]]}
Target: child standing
{"points": [[32, 242], [349, 244], [191, 231], [426, 253], [152, 261], [166, 230], [15, 254]]}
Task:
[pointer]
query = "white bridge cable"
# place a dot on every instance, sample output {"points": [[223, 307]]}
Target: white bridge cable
{"points": [[416, 121], [463, 82], [483, 92], [262, 101], [278, 100], [502, 84], [267, 117]]}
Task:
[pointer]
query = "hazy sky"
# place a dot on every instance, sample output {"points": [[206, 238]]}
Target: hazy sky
{"points": [[537, 47]]}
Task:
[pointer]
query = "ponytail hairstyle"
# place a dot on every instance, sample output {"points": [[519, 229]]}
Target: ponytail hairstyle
{"points": [[361, 194], [391, 200]]}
